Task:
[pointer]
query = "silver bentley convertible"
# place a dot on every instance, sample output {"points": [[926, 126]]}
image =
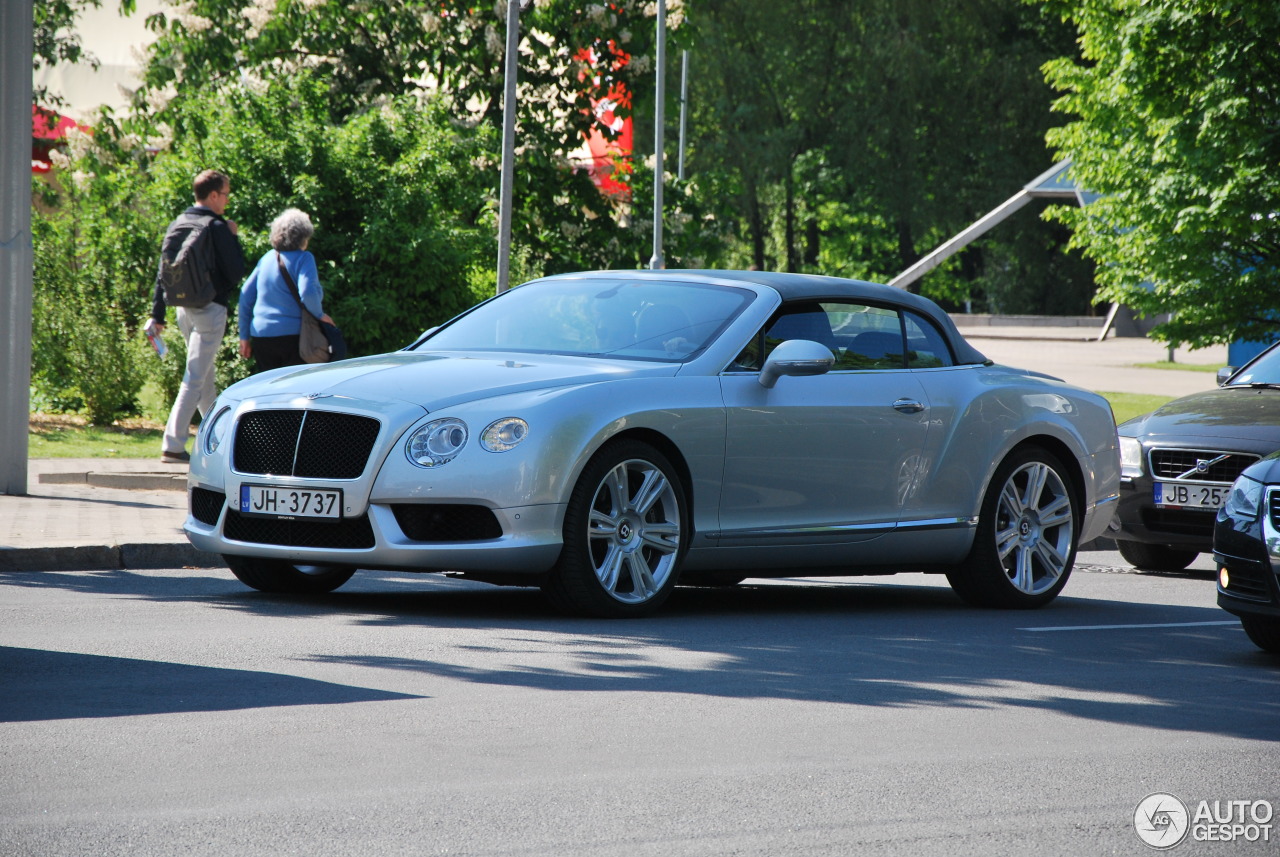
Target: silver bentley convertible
{"points": [[609, 436]]}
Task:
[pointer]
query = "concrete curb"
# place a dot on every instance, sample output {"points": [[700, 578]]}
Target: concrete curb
{"points": [[107, 557], [132, 481]]}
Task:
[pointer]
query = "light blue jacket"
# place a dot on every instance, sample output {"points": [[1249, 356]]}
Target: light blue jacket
{"points": [[267, 307]]}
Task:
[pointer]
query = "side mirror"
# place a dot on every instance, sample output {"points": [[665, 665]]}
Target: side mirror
{"points": [[796, 357], [1224, 373]]}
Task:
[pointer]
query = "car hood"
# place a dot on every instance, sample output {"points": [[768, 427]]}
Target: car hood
{"points": [[1240, 413], [438, 380]]}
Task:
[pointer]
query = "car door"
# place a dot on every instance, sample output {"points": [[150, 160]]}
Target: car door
{"points": [[826, 458]]}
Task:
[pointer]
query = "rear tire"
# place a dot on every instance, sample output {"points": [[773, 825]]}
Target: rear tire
{"points": [[1027, 535], [625, 534], [274, 575], [1156, 557], [1264, 632]]}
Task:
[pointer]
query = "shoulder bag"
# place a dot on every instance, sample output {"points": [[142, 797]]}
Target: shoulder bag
{"points": [[319, 341]]}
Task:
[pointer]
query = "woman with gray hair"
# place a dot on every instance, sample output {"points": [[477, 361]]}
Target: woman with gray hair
{"points": [[270, 318]]}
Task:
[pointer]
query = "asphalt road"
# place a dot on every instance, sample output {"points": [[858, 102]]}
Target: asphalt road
{"points": [[175, 712]]}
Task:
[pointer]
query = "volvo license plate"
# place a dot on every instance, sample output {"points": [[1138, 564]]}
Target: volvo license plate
{"points": [[275, 501], [1205, 497]]}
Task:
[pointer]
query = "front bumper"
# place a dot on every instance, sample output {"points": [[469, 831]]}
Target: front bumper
{"points": [[528, 539], [1252, 587], [1137, 519]]}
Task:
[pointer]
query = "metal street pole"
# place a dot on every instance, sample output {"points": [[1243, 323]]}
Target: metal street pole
{"points": [[684, 107], [508, 142], [16, 256], [657, 261]]}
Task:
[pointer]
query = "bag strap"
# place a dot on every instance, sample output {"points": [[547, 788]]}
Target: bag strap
{"points": [[293, 287]]}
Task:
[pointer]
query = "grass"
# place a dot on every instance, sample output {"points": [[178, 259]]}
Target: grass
{"points": [[67, 436], [1185, 367], [1126, 406]]}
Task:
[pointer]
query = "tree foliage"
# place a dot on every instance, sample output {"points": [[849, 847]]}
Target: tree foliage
{"points": [[857, 137], [1177, 111]]}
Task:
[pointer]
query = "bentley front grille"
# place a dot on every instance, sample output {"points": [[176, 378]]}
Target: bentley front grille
{"points": [[342, 534], [305, 443]]}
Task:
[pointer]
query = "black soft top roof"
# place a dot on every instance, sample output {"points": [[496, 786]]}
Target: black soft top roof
{"points": [[814, 287]]}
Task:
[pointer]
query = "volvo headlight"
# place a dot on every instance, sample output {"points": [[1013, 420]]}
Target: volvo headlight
{"points": [[436, 443], [1244, 503], [506, 433], [1130, 456], [216, 432]]}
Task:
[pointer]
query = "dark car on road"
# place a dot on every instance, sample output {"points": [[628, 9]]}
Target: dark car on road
{"points": [[1179, 461], [1246, 550]]}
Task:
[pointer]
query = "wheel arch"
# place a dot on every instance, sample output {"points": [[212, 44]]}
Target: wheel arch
{"points": [[667, 447], [1064, 454]]}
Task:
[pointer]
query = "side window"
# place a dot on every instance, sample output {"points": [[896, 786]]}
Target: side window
{"points": [[860, 336], [867, 337], [801, 320], [926, 346]]}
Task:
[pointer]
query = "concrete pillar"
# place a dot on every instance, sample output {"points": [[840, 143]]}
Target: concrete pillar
{"points": [[16, 259]]}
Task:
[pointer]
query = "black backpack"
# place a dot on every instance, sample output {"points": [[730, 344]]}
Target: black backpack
{"points": [[186, 262]]}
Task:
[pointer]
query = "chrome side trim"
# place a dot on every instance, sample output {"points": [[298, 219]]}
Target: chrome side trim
{"points": [[835, 530], [939, 523], [826, 530]]}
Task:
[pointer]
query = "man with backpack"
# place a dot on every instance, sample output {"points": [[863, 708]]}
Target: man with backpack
{"points": [[200, 263]]}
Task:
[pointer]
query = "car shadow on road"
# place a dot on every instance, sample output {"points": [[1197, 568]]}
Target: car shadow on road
{"points": [[860, 642], [45, 685]]}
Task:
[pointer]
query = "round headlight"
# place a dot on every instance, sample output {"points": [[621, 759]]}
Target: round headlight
{"points": [[437, 442], [506, 433], [216, 432]]}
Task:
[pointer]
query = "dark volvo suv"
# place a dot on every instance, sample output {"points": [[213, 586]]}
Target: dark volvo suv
{"points": [[1179, 461]]}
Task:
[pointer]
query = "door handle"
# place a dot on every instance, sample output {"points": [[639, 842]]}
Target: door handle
{"points": [[908, 406]]}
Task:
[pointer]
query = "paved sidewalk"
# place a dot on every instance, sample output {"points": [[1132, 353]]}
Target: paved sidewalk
{"points": [[92, 513], [84, 514]]}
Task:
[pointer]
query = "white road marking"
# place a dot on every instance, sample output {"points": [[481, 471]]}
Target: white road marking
{"points": [[1128, 627]]}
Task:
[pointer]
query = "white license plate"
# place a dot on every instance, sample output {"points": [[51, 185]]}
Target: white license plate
{"points": [[1206, 497], [279, 502]]}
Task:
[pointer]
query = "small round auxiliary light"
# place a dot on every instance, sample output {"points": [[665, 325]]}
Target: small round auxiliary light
{"points": [[1224, 578]]}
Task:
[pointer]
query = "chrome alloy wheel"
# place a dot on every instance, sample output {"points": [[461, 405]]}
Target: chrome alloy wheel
{"points": [[1034, 528], [633, 531]]}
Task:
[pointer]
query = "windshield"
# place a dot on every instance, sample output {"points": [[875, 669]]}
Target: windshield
{"points": [[1266, 370], [635, 319]]}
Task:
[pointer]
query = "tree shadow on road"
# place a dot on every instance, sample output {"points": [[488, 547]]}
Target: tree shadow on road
{"points": [[861, 642]]}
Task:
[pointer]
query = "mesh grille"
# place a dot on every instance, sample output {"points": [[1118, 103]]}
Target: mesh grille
{"points": [[343, 534], [266, 442], [307, 444], [1181, 464], [424, 522], [207, 505], [1179, 522]]}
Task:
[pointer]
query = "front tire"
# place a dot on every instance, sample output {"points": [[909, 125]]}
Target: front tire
{"points": [[1027, 535], [625, 534], [1156, 557], [1265, 633], [274, 575]]}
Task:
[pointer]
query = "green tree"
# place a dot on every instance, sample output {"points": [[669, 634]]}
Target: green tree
{"points": [[449, 53], [1176, 106], [859, 136]]}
